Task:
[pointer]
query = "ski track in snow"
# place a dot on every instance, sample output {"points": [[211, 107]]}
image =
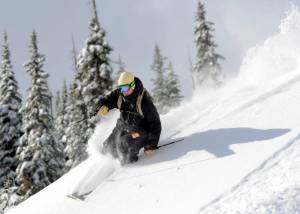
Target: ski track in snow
{"points": [[253, 178]]}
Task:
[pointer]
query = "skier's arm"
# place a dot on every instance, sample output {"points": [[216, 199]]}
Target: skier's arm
{"points": [[154, 125], [110, 100]]}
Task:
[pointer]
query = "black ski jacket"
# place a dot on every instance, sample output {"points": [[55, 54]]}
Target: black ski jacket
{"points": [[130, 120]]}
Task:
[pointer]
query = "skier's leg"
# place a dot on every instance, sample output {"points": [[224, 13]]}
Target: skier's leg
{"points": [[134, 148], [129, 148], [122, 147], [110, 144]]}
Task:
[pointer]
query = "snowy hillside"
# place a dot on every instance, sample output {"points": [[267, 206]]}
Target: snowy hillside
{"points": [[240, 154]]}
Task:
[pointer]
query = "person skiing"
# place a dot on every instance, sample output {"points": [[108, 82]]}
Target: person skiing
{"points": [[139, 123]]}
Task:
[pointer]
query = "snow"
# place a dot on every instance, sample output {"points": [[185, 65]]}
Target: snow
{"points": [[273, 188], [97, 168], [241, 152]]}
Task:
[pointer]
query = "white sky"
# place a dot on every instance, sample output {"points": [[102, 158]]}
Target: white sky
{"points": [[133, 27]]}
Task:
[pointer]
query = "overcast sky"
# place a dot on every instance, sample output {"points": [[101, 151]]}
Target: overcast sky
{"points": [[133, 28]]}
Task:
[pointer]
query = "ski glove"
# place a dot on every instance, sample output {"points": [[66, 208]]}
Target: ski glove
{"points": [[135, 135], [149, 152], [103, 110]]}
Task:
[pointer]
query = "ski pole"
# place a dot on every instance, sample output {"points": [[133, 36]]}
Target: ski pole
{"points": [[85, 119], [79, 121], [167, 144]]}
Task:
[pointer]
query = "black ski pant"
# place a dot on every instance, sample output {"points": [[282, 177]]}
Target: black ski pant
{"points": [[122, 146]]}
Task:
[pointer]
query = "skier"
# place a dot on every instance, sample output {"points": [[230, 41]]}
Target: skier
{"points": [[139, 124]]}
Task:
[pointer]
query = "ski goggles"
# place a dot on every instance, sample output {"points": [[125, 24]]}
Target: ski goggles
{"points": [[125, 88]]}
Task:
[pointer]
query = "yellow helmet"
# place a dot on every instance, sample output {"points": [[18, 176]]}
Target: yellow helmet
{"points": [[125, 78]]}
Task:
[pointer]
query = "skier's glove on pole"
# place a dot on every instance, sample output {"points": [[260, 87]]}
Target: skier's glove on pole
{"points": [[149, 152], [135, 135], [103, 110]]}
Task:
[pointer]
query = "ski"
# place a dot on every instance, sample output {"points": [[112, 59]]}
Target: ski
{"points": [[80, 197], [74, 197]]}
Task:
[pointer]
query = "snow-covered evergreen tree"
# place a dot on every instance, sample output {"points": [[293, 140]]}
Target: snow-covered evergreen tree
{"points": [[61, 122], [75, 133], [75, 136], [41, 157], [10, 118], [94, 69], [159, 90], [172, 88], [9, 196], [207, 70], [92, 79]]}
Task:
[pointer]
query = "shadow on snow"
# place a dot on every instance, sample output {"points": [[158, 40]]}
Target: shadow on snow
{"points": [[216, 142]]}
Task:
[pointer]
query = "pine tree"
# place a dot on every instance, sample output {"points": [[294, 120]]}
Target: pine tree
{"points": [[9, 196], [159, 82], [207, 70], [61, 122], [41, 157], [76, 138], [94, 69], [75, 133], [92, 79], [10, 118], [172, 88]]}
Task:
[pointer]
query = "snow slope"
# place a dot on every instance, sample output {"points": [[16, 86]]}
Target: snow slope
{"points": [[240, 153]]}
